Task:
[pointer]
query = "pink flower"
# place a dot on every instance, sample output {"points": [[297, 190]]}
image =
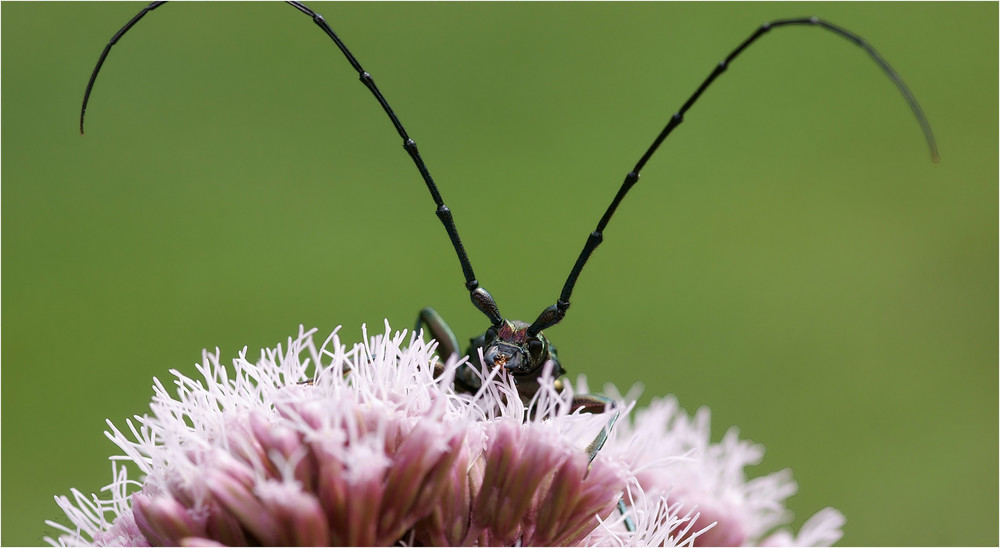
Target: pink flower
{"points": [[672, 456], [324, 445]]}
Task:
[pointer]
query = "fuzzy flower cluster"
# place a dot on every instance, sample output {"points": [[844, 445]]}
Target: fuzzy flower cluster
{"points": [[371, 446]]}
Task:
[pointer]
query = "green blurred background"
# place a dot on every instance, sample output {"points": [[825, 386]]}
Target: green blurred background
{"points": [[791, 258]]}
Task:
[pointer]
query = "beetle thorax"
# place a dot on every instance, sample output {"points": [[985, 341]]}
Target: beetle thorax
{"points": [[513, 332]]}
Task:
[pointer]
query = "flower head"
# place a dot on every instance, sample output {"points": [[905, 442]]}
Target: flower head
{"points": [[672, 456], [372, 445]]}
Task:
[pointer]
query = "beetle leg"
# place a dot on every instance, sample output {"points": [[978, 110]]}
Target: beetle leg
{"points": [[438, 330], [629, 524], [592, 403]]}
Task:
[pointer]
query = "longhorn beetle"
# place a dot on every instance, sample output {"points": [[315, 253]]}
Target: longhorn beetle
{"points": [[516, 346]]}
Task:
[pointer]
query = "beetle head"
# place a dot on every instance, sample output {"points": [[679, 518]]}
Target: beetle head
{"points": [[510, 346]]}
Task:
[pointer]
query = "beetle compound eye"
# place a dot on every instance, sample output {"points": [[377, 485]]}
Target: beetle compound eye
{"points": [[491, 334], [535, 347]]}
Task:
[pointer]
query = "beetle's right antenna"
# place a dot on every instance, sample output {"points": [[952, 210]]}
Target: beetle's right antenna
{"points": [[480, 297], [553, 314]]}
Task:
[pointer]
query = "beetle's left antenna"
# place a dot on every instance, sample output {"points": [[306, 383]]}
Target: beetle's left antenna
{"points": [[104, 55], [480, 297]]}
